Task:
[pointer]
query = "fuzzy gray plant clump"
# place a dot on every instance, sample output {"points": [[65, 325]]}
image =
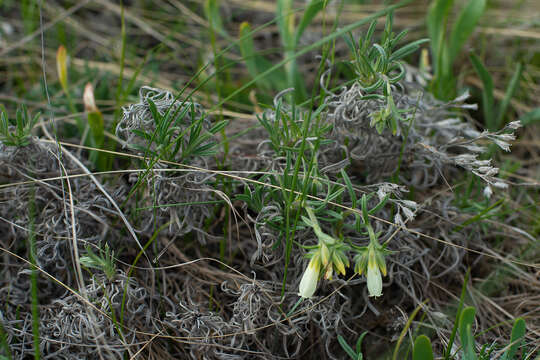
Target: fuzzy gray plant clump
{"points": [[160, 126], [428, 140], [71, 328], [41, 208], [141, 116]]}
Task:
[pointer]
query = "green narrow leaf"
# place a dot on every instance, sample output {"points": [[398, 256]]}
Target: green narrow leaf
{"points": [[285, 20], [487, 92], [406, 50], [370, 32], [218, 126], [405, 329], [510, 90], [346, 347], [359, 343], [364, 209], [422, 348], [398, 38], [465, 332], [156, 116], [306, 49], [350, 188], [313, 8], [464, 27], [379, 205]]}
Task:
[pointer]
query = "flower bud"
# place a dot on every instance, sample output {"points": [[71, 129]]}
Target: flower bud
{"points": [[88, 99], [325, 254], [338, 263], [61, 66]]}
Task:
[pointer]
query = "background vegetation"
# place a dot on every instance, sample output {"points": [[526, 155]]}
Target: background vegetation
{"points": [[269, 179]]}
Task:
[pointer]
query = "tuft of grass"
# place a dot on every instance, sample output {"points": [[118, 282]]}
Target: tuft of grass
{"points": [[446, 45]]}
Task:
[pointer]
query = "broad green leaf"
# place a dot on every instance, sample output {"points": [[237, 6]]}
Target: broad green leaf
{"points": [[531, 117], [211, 11], [518, 332], [465, 332], [464, 26], [256, 64], [510, 90], [487, 92], [422, 348]]}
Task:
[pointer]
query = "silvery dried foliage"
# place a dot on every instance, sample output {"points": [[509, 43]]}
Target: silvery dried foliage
{"points": [[71, 329], [203, 328], [430, 140], [51, 218]]}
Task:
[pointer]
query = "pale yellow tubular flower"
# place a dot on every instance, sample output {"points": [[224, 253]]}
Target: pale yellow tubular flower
{"points": [[374, 278], [308, 284]]}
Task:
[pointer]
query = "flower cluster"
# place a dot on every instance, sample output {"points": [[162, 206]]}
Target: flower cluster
{"points": [[331, 254]]}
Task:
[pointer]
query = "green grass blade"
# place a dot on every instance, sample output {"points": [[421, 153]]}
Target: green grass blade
{"points": [[4, 344], [487, 92], [436, 24], [464, 27], [458, 315], [313, 8], [404, 331], [422, 348], [346, 347], [510, 90], [481, 215]]}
